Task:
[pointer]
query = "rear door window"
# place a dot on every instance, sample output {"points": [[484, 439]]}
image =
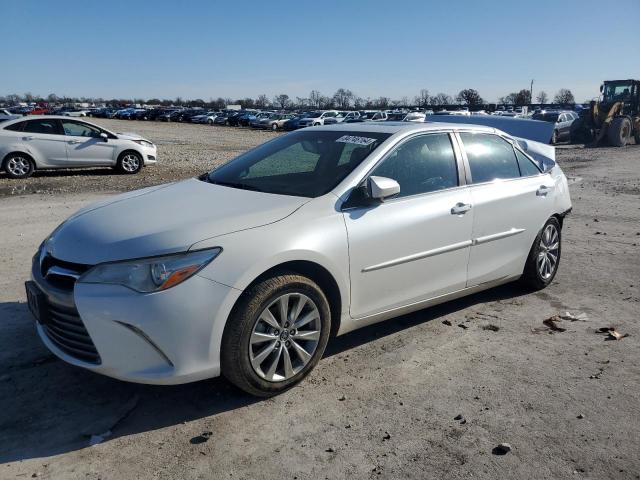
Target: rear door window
{"points": [[490, 157], [16, 127], [44, 126], [527, 167]]}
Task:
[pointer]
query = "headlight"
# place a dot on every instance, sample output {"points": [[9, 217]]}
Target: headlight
{"points": [[151, 274], [144, 143]]}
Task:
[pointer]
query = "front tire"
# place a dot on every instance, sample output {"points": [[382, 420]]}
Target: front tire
{"points": [[274, 127], [554, 137], [544, 256], [619, 132], [18, 166], [129, 163], [276, 335]]}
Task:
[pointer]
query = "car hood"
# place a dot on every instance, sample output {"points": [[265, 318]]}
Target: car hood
{"points": [[163, 219], [131, 136]]}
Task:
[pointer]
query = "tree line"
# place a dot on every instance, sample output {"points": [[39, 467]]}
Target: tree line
{"points": [[343, 99]]}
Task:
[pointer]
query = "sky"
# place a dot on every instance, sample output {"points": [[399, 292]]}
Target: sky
{"points": [[244, 48]]}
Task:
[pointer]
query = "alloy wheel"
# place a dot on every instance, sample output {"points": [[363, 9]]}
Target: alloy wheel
{"points": [[284, 337], [130, 163], [18, 166], [549, 252]]}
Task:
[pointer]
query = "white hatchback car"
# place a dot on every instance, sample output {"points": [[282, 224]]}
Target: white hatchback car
{"points": [[248, 270], [49, 142]]}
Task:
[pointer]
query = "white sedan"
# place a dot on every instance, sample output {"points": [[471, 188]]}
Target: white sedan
{"points": [[248, 270], [50, 142]]}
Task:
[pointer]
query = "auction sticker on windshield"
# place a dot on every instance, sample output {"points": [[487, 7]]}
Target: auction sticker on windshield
{"points": [[356, 140]]}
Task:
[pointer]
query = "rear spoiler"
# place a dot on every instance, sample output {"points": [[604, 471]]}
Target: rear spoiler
{"points": [[533, 136]]}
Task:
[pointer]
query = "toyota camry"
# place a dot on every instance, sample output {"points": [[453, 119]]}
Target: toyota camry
{"points": [[250, 269]]}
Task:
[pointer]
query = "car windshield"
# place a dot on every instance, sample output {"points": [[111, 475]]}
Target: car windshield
{"points": [[304, 163]]}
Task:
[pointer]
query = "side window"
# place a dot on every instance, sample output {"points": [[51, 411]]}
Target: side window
{"points": [[44, 126], [16, 127], [490, 157], [420, 165], [78, 129], [527, 167]]}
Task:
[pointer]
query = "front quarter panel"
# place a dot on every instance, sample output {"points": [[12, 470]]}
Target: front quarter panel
{"points": [[315, 233]]}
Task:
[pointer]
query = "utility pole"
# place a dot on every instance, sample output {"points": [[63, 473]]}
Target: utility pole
{"points": [[531, 92]]}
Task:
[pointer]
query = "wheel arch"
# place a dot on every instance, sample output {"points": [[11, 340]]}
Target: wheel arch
{"points": [[21, 152], [316, 272]]}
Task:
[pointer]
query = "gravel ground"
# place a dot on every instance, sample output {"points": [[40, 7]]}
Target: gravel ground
{"points": [[383, 401]]}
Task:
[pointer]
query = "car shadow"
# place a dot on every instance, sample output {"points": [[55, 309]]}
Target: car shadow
{"points": [[49, 407]]}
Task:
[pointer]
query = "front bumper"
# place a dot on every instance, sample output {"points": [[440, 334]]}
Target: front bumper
{"points": [[150, 155], [166, 337]]}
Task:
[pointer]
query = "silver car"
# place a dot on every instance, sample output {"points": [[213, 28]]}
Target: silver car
{"points": [[249, 270], [49, 142]]}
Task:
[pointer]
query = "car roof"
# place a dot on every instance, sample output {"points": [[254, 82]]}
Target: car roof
{"points": [[395, 127]]}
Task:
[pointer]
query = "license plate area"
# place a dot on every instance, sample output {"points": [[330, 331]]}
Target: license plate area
{"points": [[37, 302]]}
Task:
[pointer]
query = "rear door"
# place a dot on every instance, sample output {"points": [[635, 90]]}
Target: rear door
{"points": [[85, 147], [511, 202], [415, 246], [44, 138]]}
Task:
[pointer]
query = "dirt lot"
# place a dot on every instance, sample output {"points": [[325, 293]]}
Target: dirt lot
{"points": [[382, 402]]}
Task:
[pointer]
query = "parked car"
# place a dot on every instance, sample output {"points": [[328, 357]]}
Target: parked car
{"points": [[341, 117], [208, 117], [275, 121], [317, 118], [169, 115], [39, 111], [405, 117], [165, 285], [50, 142], [222, 119], [6, 115], [294, 123], [563, 119], [234, 118], [245, 119], [73, 113]]}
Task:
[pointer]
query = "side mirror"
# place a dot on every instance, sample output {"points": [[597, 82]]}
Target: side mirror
{"points": [[381, 188], [104, 137]]}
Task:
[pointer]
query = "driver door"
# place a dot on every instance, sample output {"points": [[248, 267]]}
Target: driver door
{"points": [[415, 246], [85, 146]]}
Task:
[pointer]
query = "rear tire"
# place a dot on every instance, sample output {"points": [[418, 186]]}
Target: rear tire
{"points": [[18, 166], [544, 256], [129, 162], [619, 132], [265, 358], [274, 127], [554, 137]]}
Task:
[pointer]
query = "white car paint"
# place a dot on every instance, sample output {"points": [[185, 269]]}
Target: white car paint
{"points": [[319, 120], [386, 259], [70, 151]]}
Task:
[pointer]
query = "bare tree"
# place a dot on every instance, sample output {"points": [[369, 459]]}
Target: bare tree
{"points": [[262, 101], [523, 97], [441, 99], [314, 98], [470, 97], [542, 97], [564, 97], [343, 98], [359, 103], [422, 99], [282, 100]]}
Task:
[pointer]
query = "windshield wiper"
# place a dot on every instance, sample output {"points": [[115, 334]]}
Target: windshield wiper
{"points": [[242, 186]]}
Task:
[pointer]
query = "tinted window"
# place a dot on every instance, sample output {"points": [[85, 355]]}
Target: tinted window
{"points": [[527, 167], [304, 163], [420, 165], [490, 157], [16, 127], [44, 126], [77, 129]]}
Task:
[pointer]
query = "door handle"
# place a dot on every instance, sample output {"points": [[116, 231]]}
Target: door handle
{"points": [[543, 190], [73, 142], [460, 208], [27, 138]]}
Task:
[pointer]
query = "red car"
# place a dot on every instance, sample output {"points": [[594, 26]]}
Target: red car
{"points": [[39, 111]]}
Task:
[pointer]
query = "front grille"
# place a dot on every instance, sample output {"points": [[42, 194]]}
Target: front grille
{"points": [[66, 330], [63, 325]]}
